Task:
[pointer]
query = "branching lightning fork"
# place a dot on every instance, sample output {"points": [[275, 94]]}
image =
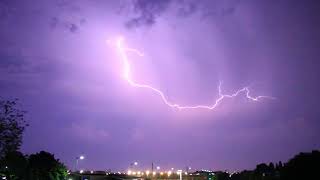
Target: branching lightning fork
{"points": [[123, 50]]}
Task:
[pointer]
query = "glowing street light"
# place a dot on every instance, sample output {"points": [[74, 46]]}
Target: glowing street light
{"points": [[134, 164], [131, 167], [179, 172], [77, 161]]}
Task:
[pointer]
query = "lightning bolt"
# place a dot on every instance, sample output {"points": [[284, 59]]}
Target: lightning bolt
{"points": [[123, 50]]}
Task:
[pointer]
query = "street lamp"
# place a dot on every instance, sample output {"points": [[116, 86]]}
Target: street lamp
{"points": [[188, 168], [77, 161], [131, 166], [179, 172], [134, 164]]}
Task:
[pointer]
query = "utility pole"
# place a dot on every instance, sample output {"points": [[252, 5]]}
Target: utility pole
{"points": [[152, 167]]}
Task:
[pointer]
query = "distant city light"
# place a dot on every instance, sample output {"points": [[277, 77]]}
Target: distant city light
{"points": [[81, 171], [135, 163], [158, 167], [147, 173], [81, 157]]}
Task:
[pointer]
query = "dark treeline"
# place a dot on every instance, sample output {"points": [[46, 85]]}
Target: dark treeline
{"points": [[39, 166], [304, 166]]}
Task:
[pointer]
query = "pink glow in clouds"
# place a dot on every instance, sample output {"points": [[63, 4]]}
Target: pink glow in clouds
{"points": [[123, 50]]}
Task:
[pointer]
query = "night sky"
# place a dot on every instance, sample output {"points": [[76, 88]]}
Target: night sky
{"points": [[55, 58]]}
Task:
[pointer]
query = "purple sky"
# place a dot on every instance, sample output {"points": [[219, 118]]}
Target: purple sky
{"points": [[55, 59]]}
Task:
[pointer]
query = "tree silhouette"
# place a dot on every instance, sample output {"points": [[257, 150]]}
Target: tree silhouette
{"points": [[302, 166], [39, 166], [12, 125], [43, 166], [14, 165]]}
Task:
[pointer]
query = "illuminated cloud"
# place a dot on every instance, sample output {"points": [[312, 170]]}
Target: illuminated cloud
{"points": [[146, 12]]}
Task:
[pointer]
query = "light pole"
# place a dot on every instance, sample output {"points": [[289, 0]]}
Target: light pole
{"points": [[77, 161], [180, 173], [152, 169], [188, 168], [133, 164]]}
